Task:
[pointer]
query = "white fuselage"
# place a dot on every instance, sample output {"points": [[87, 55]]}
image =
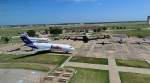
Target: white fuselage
{"points": [[53, 47], [40, 46], [34, 39]]}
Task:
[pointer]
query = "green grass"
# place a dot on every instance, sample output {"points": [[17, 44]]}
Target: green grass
{"points": [[34, 62], [133, 63], [129, 25], [44, 59], [7, 57], [10, 32], [40, 58], [25, 66], [134, 78], [138, 33], [90, 76], [90, 60], [14, 31]]}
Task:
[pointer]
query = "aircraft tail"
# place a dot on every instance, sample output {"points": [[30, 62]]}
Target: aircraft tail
{"points": [[25, 39]]}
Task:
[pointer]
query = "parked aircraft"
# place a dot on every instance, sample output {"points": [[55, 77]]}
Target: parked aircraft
{"points": [[141, 42], [103, 43], [137, 42], [83, 38], [46, 46], [119, 40]]}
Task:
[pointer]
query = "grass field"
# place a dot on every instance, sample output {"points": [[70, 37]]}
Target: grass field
{"points": [[131, 33], [90, 76], [133, 63], [39, 58], [25, 66], [89, 60], [10, 32], [14, 31], [135, 25], [134, 78]]}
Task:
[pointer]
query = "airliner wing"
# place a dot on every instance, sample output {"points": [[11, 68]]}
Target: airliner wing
{"points": [[42, 49]]}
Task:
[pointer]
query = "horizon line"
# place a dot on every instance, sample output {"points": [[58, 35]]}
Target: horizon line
{"points": [[98, 22]]}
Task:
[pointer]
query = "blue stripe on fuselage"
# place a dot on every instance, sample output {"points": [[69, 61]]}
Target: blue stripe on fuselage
{"points": [[32, 46], [27, 41]]}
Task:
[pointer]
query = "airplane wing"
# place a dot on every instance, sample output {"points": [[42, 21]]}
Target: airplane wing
{"points": [[137, 42], [42, 49], [146, 42]]}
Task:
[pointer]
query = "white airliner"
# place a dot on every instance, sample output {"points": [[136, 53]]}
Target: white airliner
{"points": [[45, 46]]}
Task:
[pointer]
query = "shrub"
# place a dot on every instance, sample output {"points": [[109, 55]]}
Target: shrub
{"points": [[31, 33]]}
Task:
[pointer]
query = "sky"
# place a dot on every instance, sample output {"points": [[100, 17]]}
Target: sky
{"points": [[69, 11]]}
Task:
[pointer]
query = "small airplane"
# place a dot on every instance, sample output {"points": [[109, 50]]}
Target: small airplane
{"points": [[82, 37], [137, 42], [85, 37], [140, 42], [45, 46], [103, 43], [120, 41]]}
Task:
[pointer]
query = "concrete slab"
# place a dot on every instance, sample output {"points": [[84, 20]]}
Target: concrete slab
{"points": [[20, 76]]}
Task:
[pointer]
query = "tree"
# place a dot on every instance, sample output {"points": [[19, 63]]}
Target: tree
{"points": [[94, 30], [104, 28], [31, 33], [121, 27], [124, 27], [56, 31], [117, 27], [99, 29], [5, 39], [46, 31]]}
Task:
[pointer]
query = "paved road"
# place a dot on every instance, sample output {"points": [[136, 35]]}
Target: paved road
{"points": [[113, 73], [106, 67], [86, 65], [134, 70], [148, 61], [62, 65]]}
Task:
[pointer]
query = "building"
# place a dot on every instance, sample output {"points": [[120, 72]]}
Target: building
{"points": [[148, 20]]}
